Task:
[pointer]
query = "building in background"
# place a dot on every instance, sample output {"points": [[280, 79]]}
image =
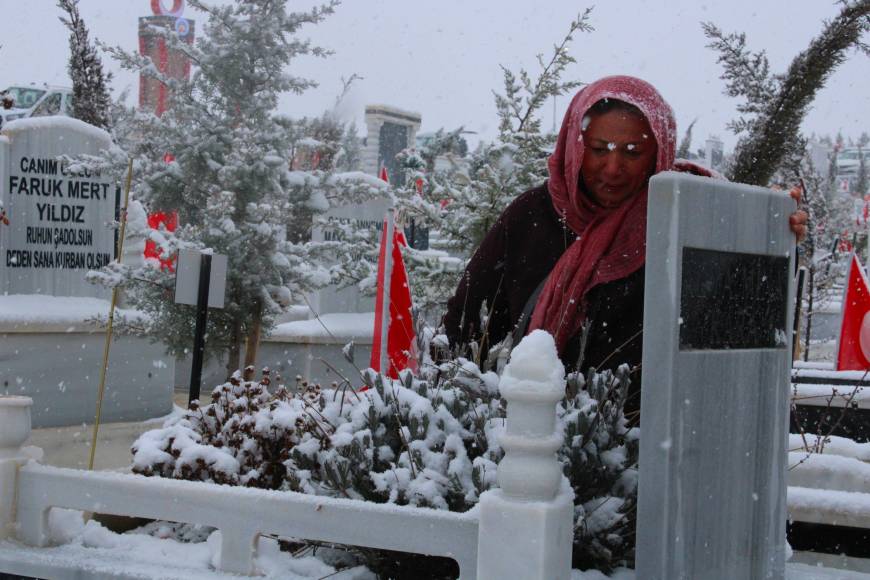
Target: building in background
{"points": [[154, 95]]}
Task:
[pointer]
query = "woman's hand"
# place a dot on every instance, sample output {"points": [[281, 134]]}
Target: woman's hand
{"points": [[797, 221]]}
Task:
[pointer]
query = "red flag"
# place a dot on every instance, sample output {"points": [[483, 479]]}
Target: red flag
{"points": [[169, 221], [394, 341], [383, 175], [853, 348]]}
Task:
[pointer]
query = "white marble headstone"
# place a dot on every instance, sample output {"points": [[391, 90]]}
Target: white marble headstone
{"points": [[60, 221], [363, 215]]}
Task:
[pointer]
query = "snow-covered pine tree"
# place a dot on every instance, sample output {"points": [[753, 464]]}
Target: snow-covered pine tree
{"points": [[461, 204], [773, 105], [861, 181], [600, 455], [91, 99], [684, 151], [831, 216], [230, 178]]}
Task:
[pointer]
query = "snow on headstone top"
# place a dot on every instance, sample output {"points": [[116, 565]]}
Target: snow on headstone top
{"points": [[55, 123], [534, 370]]}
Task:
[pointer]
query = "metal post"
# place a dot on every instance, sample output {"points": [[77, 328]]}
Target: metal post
{"points": [[199, 333], [798, 309]]}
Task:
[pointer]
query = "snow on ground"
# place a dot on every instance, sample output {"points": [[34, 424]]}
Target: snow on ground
{"points": [[92, 548], [357, 326], [830, 445]]}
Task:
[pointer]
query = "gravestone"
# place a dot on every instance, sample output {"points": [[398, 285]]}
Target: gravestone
{"points": [[60, 226], [388, 132], [715, 398], [363, 216], [60, 216]]}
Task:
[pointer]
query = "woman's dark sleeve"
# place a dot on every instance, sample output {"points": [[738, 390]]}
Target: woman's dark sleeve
{"points": [[480, 281]]}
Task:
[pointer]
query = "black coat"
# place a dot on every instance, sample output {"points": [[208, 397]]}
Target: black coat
{"points": [[513, 260]]}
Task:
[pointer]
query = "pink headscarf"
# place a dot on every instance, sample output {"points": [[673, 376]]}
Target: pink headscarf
{"points": [[611, 242]]}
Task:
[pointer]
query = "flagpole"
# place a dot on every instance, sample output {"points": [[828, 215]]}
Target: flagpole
{"points": [[109, 327], [388, 277]]}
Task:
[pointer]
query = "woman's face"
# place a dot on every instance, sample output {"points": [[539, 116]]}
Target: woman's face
{"points": [[619, 157]]}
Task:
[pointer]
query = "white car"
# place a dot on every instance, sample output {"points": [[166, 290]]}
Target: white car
{"points": [[34, 101]]}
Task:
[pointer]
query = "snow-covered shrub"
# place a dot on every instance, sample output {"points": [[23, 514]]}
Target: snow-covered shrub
{"points": [[409, 441], [600, 455], [243, 437], [428, 441]]}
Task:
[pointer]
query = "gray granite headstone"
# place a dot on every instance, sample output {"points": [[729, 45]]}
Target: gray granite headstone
{"points": [[362, 215], [716, 358]]}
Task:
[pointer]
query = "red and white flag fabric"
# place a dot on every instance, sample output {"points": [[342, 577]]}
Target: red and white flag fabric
{"points": [[853, 348], [394, 341], [169, 221]]}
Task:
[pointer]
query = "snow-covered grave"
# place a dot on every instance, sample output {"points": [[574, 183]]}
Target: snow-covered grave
{"points": [[60, 226], [523, 530], [712, 488], [838, 402]]}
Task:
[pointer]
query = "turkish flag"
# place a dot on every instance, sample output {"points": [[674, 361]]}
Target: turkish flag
{"points": [[394, 340], [853, 349], [169, 221]]}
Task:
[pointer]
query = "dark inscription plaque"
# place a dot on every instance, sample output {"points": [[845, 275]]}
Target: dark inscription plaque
{"points": [[731, 300]]}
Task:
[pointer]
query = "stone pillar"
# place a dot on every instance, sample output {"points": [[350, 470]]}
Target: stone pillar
{"points": [[526, 527], [14, 431], [715, 397]]}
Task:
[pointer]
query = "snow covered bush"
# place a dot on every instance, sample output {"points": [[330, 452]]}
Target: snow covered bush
{"points": [[428, 441], [408, 441], [600, 455]]}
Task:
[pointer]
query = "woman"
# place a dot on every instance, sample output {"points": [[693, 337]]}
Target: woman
{"points": [[569, 255]]}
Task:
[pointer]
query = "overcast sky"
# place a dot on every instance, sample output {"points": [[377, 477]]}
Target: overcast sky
{"points": [[441, 57]]}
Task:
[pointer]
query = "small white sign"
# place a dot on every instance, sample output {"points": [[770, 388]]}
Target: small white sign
{"points": [[187, 278]]}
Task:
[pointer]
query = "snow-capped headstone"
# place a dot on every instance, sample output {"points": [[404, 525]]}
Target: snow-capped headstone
{"points": [[715, 396], [60, 214], [363, 216], [388, 132]]}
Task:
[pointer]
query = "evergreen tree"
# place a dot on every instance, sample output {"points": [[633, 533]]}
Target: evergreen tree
{"points": [[684, 150], [231, 180], [861, 180], [831, 221], [91, 99], [462, 202], [831, 182], [773, 105]]}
